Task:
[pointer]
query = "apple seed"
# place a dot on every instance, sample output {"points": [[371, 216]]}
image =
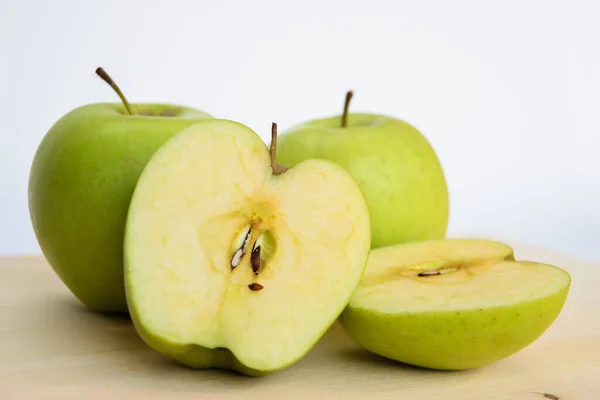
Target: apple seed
{"points": [[550, 396], [241, 251], [255, 259], [237, 257], [255, 287], [432, 272]]}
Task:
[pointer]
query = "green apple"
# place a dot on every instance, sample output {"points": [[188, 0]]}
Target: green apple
{"points": [[395, 166], [453, 304], [235, 262], [81, 181]]}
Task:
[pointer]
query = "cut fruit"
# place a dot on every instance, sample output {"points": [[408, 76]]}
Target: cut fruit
{"points": [[233, 262], [453, 304]]}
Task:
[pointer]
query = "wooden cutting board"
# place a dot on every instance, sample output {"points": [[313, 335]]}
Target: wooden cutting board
{"points": [[51, 347]]}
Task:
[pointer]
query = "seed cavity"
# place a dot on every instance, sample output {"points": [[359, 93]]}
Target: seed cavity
{"points": [[431, 272], [255, 261], [240, 246], [246, 240], [266, 241], [255, 287]]}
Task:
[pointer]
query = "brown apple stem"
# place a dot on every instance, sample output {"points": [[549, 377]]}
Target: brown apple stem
{"points": [[273, 149], [106, 78], [277, 168], [349, 95]]}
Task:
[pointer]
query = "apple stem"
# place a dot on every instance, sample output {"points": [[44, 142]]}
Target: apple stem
{"points": [[349, 95], [106, 78], [277, 168]]}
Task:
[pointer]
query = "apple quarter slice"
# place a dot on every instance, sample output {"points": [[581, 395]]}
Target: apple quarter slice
{"points": [[233, 262], [453, 304]]}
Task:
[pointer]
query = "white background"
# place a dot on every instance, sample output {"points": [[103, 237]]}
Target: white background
{"points": [[508, 92]]}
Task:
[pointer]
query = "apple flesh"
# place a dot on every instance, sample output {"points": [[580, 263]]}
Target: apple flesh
{"points": [[81, 181], [233, 262], [453, 304], [392, 162]]}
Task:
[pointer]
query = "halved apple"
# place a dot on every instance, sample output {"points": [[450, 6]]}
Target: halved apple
{"points": [[453, 304], [233, 261]]}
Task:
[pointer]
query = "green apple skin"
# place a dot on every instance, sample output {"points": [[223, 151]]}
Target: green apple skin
{"points": [[395, 166], [200, 357], [455, 340], [81, 181], [192, 355]]}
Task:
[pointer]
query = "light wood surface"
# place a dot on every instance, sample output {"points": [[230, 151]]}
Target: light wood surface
{"points": [[51, 347]]}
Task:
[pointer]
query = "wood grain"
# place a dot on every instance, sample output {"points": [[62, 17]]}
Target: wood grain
{"points": [[51, 347]]}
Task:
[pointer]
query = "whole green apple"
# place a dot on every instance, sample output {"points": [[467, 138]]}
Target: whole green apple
{"points": [[395, 166], [80, 185]]}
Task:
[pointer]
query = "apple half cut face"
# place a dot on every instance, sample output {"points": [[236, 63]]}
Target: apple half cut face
{"points": [[229, 264], [453, 304]]}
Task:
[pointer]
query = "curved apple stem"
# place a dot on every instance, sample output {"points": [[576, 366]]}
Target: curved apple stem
{"points": [[106, 78], [277, 168], [349, 95]]}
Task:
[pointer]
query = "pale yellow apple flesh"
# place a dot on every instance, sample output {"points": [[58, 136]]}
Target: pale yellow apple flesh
{"points": [[203, 204], [453, 304]]}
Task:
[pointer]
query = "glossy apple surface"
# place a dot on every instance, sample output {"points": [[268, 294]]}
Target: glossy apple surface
{"points": [[81, 181]]}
